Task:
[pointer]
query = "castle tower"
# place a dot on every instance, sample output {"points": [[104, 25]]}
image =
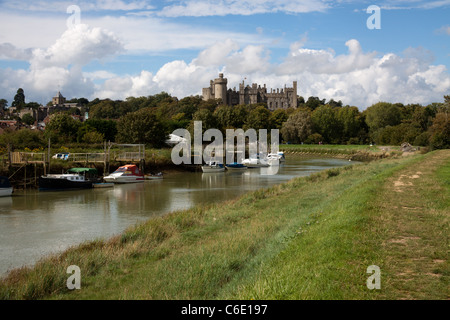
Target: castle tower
{"points": [[59, 99], [220, 88], [294, 95]]}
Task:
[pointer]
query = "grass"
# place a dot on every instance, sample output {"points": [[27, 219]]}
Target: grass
{"points": [[355, 152], [310, 238]]}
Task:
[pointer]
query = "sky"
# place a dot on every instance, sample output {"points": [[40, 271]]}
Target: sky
{"points": [[357, 51]]}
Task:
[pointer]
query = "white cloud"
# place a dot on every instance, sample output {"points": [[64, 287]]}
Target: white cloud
{"points": [[325, 61], [77, 46], [9, 51], [199, 8], [137, 34], [445, 29], [356, 77], [59, 67], [61, 6]]}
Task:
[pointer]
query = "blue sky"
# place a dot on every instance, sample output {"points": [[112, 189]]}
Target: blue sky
{"points": [[124, 48]]}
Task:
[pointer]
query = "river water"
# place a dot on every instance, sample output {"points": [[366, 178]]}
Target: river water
{"points": [[34, 224]]}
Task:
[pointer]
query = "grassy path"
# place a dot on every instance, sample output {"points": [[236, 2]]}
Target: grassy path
{"points": [[413, 217], [311, 238], [398, 220]]}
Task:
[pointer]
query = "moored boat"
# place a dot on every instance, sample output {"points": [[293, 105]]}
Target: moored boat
{"points": [[75, 178], [129, 173], [256, 161], [236, 166], [5, 187], [277, 156], [212, 167], [156, 176]]}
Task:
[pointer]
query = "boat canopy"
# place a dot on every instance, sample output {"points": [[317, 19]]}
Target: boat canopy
{"points": [[4, 182], [128, 168]]}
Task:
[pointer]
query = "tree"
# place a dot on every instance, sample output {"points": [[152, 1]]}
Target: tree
{"points": [[62, 128], [33, 105], [277, 118], [258, 118], [28, 119], [207, 118], [350, 121], [106, 109], [19, 99], [3, 104], [440, 131], [142, 126], [314, 102], [225, 117], [326, 124], [106, 127], [396, 135], [23, 138], [382, 114], [93, 137], [298, 126]]}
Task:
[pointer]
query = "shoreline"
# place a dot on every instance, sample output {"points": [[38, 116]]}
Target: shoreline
{"points": [[161, 162], [238, 245]]}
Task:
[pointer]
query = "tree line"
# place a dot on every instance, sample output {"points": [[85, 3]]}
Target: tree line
{"points": [[150, 119]]}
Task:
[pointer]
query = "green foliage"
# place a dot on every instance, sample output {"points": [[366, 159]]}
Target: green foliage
{"points": [[382, 114], [3, 104], [298, 126], [440, 131], [108, 128], [62, 128], [396, 135], [314, 102], [351, 122], [19, 99], [258, 118], [142, 126], [93, 137], [277, 118], [206, 117], [21, 139], [108, 109], [326, 123], [28, 119]]}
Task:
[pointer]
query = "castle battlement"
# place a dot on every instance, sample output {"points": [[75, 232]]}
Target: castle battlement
{"points": [[275, 99]]}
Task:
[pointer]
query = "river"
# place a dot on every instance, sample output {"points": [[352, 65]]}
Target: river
{"points": [[34, 224]]}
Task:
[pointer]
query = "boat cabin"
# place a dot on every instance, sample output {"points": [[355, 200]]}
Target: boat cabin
{"points": [[129, 170]]}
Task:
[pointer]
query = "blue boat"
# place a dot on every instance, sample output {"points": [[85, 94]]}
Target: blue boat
{"points": [[5, 187], [236, 166]]}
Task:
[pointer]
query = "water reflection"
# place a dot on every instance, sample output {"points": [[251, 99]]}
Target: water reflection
{"points": [[34, 224]]}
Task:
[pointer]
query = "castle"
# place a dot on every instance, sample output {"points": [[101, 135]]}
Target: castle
{"points": [[275, 99]]}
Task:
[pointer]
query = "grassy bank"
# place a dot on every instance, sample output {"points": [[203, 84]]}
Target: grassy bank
{"points": [[310, 238], [354, 152]]}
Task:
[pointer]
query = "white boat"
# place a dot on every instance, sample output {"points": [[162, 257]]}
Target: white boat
{"points": [[277, 156], [256, 161], [129, 173], [154, 176], [213, 167], [5, 187]]}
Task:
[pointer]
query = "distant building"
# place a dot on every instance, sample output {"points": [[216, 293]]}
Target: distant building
{"points": [[275, 99], [58, 100], [58, 103]]}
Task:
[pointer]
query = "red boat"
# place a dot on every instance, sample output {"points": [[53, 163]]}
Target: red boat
{"points": [[129, 173]]}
